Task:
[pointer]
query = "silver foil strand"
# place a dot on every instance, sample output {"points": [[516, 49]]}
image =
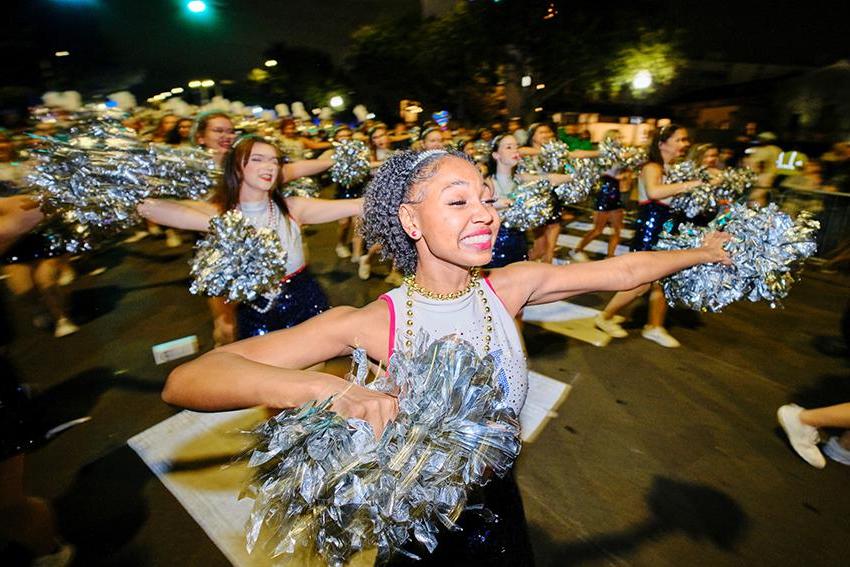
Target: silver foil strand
{"points": [[326, 482], [236, 260], [532, 205], [584, 177], [352, 162], [767, 248], [301, 187]]}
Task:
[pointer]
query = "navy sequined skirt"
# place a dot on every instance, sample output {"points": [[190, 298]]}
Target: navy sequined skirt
{"points": [[510, 247], [300, 298], [609, 197], [650, 223], [494, 532]]}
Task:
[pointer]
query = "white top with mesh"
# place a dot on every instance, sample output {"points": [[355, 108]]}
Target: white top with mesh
{"points": [[287, 230], [465, 316]]}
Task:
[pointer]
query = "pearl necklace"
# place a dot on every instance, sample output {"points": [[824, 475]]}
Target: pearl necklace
{"points": [[474, 284], [272, 216]]}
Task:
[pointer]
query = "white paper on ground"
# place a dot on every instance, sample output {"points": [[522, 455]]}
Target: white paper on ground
{"points": [[544, 396]]}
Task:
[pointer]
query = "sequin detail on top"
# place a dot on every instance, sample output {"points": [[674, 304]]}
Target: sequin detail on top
{"points": [[609, 197], [510, 247], [465, 316]]}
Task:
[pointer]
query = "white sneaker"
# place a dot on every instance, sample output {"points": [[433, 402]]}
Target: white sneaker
{"points": [[64, 327], [579, 256], [803, 438], [355, 258], [610, 326], [661, 336], [836, 452], [67, 276], [364, 270], [342, 251], [618, 319], [61, 558]]}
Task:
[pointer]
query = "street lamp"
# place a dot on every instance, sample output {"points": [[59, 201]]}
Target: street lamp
{"points": [[207, 83], [337, 102], [270, 63], [177, 90], [62, 53], [196, 6], [526, 81], [194, 84], [642, 80]]}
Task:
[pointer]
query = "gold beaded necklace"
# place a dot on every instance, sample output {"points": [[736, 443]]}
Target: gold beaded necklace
{"points": [[474, 284]]}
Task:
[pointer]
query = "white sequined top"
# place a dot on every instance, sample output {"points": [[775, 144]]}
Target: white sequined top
{"points": [[287, 230], [465, 316]]}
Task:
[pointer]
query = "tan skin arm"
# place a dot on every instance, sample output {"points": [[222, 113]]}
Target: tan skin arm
{"points": [[18, 215], [531, 283], [655, 188], [304, 168], [314, 145], [185, 215], [317, 211], [267, 370]]}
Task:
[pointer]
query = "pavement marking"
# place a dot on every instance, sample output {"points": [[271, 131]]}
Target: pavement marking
{"points": [[568, 319]]}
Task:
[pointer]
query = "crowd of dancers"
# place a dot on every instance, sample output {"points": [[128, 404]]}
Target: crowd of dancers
{"points": [[430, 208]]}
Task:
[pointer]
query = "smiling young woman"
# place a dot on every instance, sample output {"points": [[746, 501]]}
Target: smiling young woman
{"points": [[250, 183], [433, 215]]}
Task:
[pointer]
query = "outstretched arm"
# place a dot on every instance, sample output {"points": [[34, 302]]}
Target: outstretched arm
{"points": [[186, 215], [304, 168], [18, 215], [656, 189], [267, 370], [317, 211], [530, 283]]}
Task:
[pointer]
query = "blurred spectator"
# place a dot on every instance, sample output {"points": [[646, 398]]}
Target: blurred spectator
{"points": [[181, 134], [762, 159], [836, 166], [517, 131]]}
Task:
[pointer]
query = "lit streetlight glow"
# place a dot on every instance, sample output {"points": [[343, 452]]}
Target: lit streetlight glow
{"points": [[177, 90], [271, 63], [526, 81], [196, 6], [62, 53], [207, 83], [642, 80], [337, 102], [540, 86], [194, 84]]}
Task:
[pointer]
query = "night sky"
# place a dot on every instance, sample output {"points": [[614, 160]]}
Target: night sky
{"points": [[153, 42]]}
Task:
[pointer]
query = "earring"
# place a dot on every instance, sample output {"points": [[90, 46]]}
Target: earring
{"points": [[414, 234]]}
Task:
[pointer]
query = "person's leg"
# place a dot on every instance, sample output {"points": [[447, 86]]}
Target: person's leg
{"points": [[342, 250], [46, 277], [551, 241], [356, 240], [600, 218], [224, 320], [538, 248], [606, 322], [657, 306], [829, 416], [615, 219]]}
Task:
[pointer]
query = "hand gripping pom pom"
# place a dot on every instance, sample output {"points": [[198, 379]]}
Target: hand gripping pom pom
{"points": [[767, 248], [324, 481], [584, 177], [554, 156], [612, 154], [351, 162], [237, 261], [301, 187], [532, 206]]}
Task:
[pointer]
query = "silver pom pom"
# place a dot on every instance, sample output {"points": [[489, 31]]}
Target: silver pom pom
{"points": [[767, 248], [612, 153], [532, 205], [553, 156], [325, 481], [237, 261], [481, 151], [301, 187], [735, 182], [584, 177], [97, 177], [351, 162], [700, 200]]}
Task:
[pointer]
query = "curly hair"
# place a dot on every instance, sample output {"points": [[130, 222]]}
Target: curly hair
{"points": [[392, 186]]}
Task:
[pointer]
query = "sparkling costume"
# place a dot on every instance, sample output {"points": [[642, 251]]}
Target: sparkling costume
{"points": [[497, 534], [609, 197], [652, 217], [299, 296], [510, 245]]}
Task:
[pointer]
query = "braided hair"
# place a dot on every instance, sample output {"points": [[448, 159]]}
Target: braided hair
{"points": [[391, 187]]}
